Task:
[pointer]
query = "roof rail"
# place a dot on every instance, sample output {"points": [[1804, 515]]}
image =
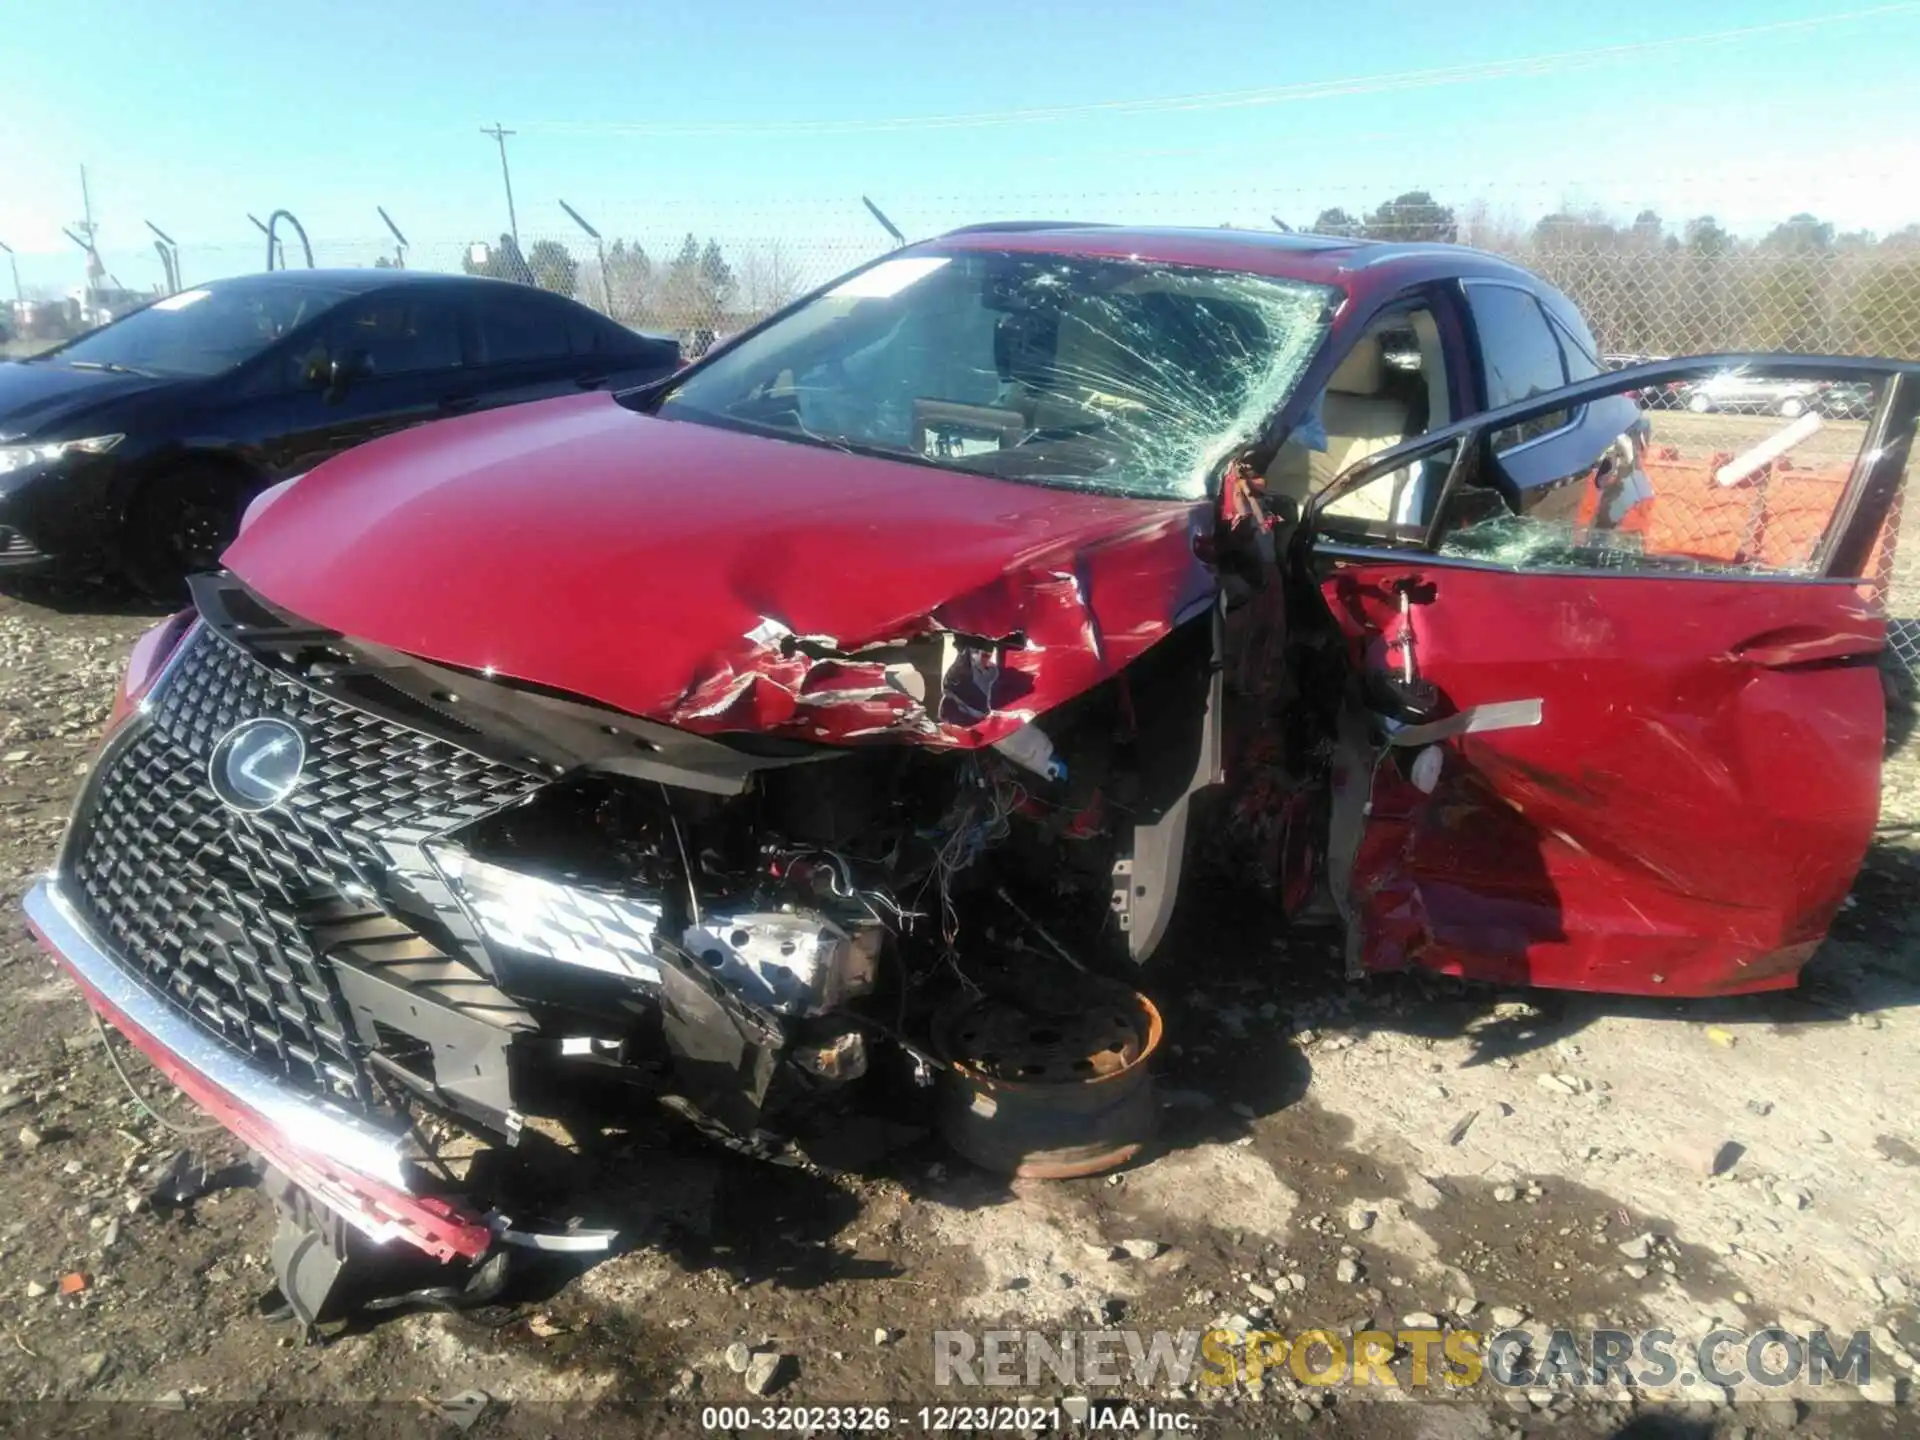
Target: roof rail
{"points": [[1016, 227]]}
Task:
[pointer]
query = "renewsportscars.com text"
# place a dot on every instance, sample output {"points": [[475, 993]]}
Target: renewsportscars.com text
{"points": [[1401, 1359]]}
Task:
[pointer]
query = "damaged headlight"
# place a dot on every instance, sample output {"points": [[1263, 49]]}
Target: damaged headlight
{"points": [[793, 962], [595, 929]]}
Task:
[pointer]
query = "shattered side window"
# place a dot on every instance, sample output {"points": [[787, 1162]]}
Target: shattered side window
{"points": [[1125, 377], [1732, 475]]}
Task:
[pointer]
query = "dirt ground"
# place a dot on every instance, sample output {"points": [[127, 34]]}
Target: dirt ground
{"points": [[1333, 1155]]}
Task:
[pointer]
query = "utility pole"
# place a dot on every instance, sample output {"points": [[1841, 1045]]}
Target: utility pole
{"points": [[500, 135], [87, 228]]}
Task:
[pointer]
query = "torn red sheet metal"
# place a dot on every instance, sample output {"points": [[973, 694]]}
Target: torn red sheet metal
{"points": [[718, 581], [1686, 820]]}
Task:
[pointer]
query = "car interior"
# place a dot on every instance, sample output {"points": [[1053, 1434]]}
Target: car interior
{"points": [[1390, 387]]}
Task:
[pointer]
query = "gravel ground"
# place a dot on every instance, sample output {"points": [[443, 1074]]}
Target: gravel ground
{"points": [[1334, 1156]]}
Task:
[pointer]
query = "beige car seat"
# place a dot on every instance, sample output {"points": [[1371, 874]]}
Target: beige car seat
{"points": [[1359, 419]]}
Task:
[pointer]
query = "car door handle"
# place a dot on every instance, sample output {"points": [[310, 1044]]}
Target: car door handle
{"points": [[454, 404]]}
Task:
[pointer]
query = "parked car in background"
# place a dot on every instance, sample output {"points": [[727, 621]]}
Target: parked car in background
{"points": [[824, 726], [1752, 394], [132, 450], [1845, 400], [1657, 397]]}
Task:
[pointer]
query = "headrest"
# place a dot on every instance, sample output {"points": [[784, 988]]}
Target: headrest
{"points": [[1361, 372]]}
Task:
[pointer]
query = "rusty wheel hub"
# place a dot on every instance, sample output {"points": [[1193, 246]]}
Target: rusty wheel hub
{"points": [[1048, 1091]]}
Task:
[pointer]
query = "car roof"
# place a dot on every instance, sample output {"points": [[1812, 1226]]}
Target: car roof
{"points": [[362, 281], [1322, 259]]}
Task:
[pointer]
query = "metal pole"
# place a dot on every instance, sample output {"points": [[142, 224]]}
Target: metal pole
{"points": [[400, 241], [94, 266], [169, 257], [18, 294], [600, 248], [274, 247], [886, 224], [500, 135], [273, 222]]}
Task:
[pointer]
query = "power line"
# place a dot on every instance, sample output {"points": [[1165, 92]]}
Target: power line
{"points": [[1232, 99]]}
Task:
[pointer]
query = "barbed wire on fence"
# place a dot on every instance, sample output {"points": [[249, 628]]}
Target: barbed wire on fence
{"points": [[1649, 284]]}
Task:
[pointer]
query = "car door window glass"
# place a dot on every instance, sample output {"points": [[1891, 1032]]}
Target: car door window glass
{"points": [[1579, 362], [405, 336], [1640, 487], [397, 335], [1521, 354], [515, 329]]}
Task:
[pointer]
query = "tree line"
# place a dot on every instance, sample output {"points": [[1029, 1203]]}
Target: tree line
{"points": [[698, 287], [1649, 286]]}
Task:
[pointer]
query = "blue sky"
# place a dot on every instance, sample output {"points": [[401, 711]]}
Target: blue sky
{"points": [[657, 118]]}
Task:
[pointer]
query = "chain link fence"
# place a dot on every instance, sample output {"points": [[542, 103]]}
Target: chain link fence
{"points": [[1649, 290]]}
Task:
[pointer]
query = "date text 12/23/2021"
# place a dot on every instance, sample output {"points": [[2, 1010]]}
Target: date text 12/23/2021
{"points": [[944, 1419]]}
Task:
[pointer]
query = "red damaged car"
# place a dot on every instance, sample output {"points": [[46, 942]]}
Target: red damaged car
{"points": [[839, 715]]}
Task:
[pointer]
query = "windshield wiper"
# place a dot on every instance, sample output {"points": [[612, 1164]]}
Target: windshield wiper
{"points": [[113, 367]]}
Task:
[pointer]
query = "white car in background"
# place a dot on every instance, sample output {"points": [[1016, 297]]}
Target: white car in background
{"points": [[1732, 390]]}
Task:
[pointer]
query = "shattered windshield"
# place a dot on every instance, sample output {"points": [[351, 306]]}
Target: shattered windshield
{"points": [[1126, 377]]}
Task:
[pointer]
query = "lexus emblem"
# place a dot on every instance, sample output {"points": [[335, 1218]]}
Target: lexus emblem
{"points": [[257, 764]]}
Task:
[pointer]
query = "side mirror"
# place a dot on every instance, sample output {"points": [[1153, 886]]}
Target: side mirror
{"points": [[344, 370]]}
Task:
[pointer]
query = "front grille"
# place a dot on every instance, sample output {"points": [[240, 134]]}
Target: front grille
{"points": [[214, 907], [15, 546]]}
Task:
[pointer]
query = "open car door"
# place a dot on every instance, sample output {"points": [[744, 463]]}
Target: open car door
{"points": [[1616, 717]]}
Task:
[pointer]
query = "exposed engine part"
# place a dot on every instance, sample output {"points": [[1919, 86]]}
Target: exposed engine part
{"points": [[837, 1060], [1049, 1088], [794, 962], [1029, 746]]}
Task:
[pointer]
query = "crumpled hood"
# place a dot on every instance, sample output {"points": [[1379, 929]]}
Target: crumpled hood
{"points": [[726, 582], [45, 398]]}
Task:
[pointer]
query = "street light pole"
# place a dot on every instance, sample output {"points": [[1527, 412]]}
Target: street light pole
{"points": [[13, 260], [500, 135]]}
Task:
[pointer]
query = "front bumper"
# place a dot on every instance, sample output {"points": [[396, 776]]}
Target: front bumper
{"points": [[357, 1168]]}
